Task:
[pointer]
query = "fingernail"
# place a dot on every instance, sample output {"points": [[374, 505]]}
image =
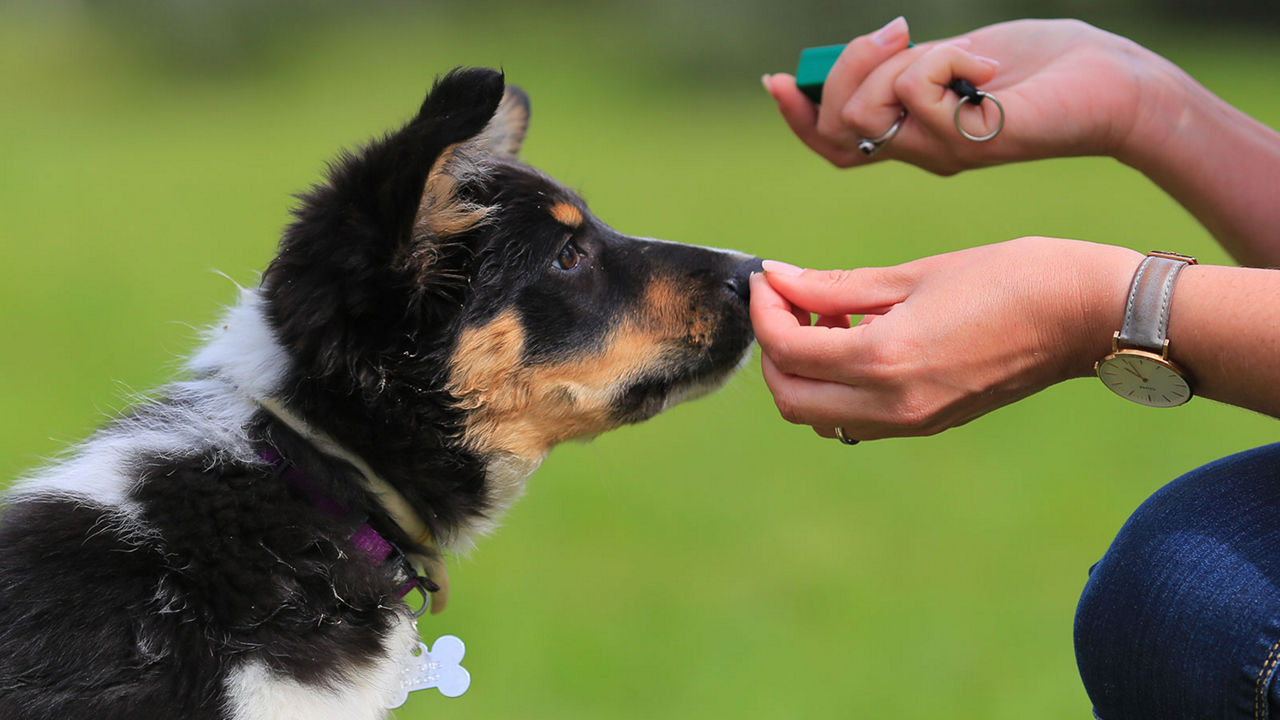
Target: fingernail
{"points": [[895, 30], [989, 62], [764, 80], [774, 266]]}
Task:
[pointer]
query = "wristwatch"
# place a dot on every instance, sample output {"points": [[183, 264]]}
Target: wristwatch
{"points": [[1139, 367]]}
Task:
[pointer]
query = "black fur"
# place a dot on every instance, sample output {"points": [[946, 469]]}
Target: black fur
{"points": [[82, 632]]}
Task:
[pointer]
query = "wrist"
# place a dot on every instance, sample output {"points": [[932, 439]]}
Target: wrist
{"points": [[1168, 105], [1100, 284]]}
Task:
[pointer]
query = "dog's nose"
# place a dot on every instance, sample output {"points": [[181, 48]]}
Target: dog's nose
{"points": [[739, 280]]}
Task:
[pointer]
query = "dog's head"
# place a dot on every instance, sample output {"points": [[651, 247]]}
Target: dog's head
{"points": [[451, 311]]}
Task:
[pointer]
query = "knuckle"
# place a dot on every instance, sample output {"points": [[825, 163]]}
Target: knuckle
{"points": [[786, 364], [945, 52], [822, 133], [855, 112], [892, 365], [780, 352], [908, 87], [854, 52], [788, 407], [879, 367], [836, 278], [828, 128], [902, 275]]}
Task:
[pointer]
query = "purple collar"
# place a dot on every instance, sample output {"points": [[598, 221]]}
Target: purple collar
{"points": [[369, 541]]}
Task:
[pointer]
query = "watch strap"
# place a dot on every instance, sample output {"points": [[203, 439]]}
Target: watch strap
{"points": [[1146, 314]]}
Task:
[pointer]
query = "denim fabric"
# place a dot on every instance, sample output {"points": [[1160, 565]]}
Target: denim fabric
{"points": [[1181, 617]]}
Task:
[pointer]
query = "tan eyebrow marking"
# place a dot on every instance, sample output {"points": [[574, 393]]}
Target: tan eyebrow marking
{"points": [[566, 214]]}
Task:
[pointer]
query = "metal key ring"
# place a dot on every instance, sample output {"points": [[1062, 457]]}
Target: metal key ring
{"points": [[870, 146], [979, 138]]}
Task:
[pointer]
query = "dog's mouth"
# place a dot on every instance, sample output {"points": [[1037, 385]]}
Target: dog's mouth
{"points": [[697, 368], [656, 392]]}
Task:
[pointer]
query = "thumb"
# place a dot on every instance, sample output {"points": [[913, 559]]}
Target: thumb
{"points": [[861, 291]]}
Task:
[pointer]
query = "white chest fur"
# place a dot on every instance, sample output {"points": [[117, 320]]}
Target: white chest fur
{"points": [[255, 693]]}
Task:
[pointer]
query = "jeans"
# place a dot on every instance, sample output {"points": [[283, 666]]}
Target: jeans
{"points": [[1181, 617]]}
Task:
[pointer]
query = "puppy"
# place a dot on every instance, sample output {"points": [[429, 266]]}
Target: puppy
{"points": [[438, 317]]}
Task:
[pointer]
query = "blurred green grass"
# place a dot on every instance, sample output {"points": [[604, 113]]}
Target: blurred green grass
{"points": [[715, 562]]}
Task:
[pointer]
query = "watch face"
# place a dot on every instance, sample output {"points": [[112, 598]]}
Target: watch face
{"points": [[1144, 378]]}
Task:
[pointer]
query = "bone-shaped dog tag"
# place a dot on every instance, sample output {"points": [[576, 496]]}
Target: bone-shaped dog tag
{"points": [[438, 667]]}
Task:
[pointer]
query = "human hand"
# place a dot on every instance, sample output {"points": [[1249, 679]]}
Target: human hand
{"points": [[943, 340], [1067, 88]]}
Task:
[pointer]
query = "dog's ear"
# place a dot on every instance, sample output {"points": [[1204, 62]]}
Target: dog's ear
{"points": [[504, 134], [378, 229], [449, 135], [445, 210]]}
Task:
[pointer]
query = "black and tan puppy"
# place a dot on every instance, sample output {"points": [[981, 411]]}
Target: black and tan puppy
{"points": [[438, 317]]}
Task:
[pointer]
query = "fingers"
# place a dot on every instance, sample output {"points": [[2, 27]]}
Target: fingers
{"points": [[859, 58], [805, 401], [864, 291], [772, 309], [874, 106], [829, 350], [801, 115], [812, 351], [820, 374], [922, 88], [819, 126]]}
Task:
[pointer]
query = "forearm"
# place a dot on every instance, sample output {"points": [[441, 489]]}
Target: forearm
{"points": [[1224, 324], [1224, 328], [1220, 164]]}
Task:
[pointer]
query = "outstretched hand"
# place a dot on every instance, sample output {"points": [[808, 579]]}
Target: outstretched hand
{"points": [[942, 340]]}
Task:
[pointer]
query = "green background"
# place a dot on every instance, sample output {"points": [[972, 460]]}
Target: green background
{"points": [[715, 562]]}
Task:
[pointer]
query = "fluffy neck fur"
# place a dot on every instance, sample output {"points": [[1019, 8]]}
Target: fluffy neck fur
{"points": [[455, 494]]}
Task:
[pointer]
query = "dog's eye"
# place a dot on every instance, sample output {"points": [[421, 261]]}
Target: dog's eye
{"points": [[570, 256]]}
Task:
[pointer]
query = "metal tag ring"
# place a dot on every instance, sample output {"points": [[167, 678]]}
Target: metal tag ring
{"points": [[979, 138], [418, 584]]}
